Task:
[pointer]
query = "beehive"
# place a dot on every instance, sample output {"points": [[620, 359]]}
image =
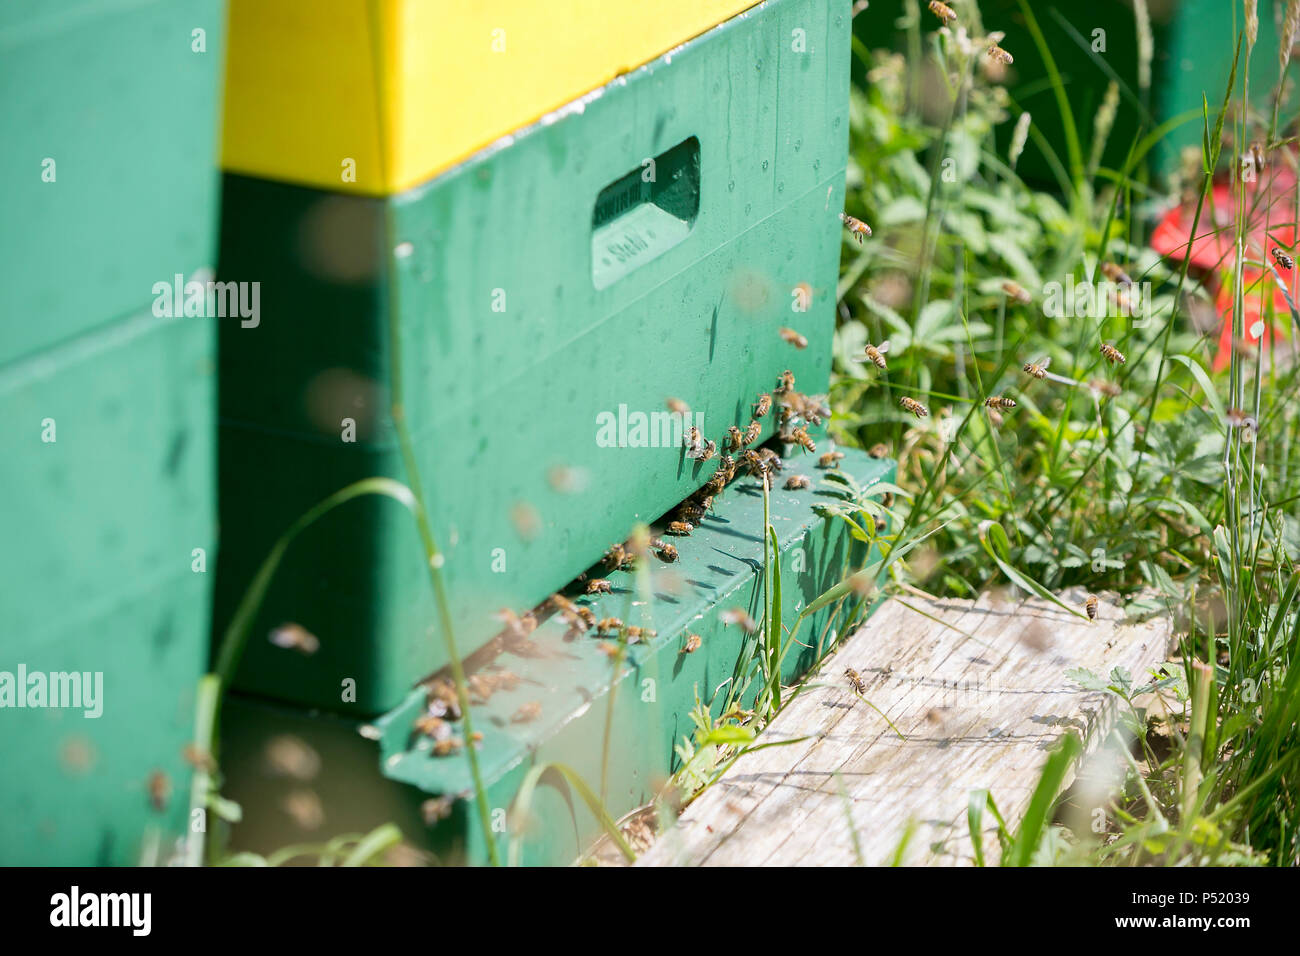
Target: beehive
{"points": [[644, 241], [106, 415]]}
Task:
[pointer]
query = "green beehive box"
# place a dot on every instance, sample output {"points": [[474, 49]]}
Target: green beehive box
{"points": [[542, 289], [106, 419], [108, 117]]}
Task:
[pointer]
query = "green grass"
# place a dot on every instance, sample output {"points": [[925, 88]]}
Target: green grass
{"points": [[1141, 486]]}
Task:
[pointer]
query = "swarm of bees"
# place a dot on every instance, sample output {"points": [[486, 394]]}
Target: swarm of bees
{"points": [[912, 405], [944, 12], [1283, 260], [1111, 354], [856, 227], [1090, 606]]}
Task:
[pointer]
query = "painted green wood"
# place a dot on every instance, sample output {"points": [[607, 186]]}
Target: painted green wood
{"points": [[98, 569], [113, 92], [718, 569], [511, 352]]}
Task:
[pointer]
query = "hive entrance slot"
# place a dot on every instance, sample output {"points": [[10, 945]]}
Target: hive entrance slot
{"points": [[644, 213]]}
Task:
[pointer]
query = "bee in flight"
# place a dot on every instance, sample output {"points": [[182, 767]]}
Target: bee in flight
{"points": [[794, 338], [1283, 260], [856, 227], [738, 615], [1111, 354], [1017, 292], [1090, 606], [1115, 274], [1038, 369], [855, 680], [944, 12], [999, 55], [875, 354], [997, 401], [913, 406]]}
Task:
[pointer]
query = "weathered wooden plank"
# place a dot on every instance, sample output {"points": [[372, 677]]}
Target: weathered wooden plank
{"points": [[979, 692]]}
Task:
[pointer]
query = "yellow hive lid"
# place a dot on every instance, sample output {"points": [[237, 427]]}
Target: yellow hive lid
{"points": [[377, 96]]}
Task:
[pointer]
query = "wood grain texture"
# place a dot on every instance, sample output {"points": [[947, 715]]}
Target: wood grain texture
{"points": [[979, 692]]}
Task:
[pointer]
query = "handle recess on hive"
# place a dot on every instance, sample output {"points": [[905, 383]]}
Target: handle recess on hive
{"points": [[644, 213]]}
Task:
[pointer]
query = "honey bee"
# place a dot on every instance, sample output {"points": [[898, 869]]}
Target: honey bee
{"points": [[679, 528], [880, 450], [529, 711], [876, 354], [692, 644], [830, 459], [999, 55], [1253, 162], [997, 401], [1090, 606], [694, 447], [609, 648], [1037, 369], [617, 557], [855, 680], [1236, 418], [437, 808], [752, 431], [607, 624], [795, 482], [787, 382], [431, 726], [944, 12], [737, 615], [667, 553], [801, 438], [599, 586], [856, 227], [735, 438], [447, 746], [635, 634], [704, 453], [160, 790], [678, 407], [715, 484], [995, 417], [913, 406], [1017, 292], [1283, 260], [1111, 354], [763, 405], [588, 616], [793, 338], [1115, 274], [726, 468], [294, 637], [562, 603], [1105, 387]]}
